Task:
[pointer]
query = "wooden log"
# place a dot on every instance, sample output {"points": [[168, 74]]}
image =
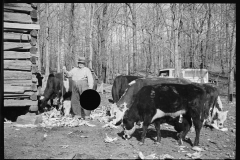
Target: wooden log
{"points": [[18, 7], [17, 97], [34, 96], [22, 31], [16, 37], [34, 33], [17, 17], [18, 82], [33, 41], [16, 89], [33, 59], [18, 65], [34, 87], [33, 50], [8, 25], [34, 5], [34, 68], [16, 45], [20, 103], [17, 75], [16, 55], [33, 14], [27, 93]]}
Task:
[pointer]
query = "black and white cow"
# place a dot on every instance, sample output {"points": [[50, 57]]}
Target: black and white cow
{"points": [[154, 103], [118, 108]]}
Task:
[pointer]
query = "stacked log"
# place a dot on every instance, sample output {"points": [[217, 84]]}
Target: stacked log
{"points": [[20, 54]]}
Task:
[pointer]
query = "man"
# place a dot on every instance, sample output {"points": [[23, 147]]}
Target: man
{"points": [[82, 80]]}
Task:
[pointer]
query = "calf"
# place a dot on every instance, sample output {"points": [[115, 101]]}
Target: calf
{"points": [[155, 102], [57, 88]]}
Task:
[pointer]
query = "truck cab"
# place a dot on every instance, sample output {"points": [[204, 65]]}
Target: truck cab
{"points": [[194, 75]]}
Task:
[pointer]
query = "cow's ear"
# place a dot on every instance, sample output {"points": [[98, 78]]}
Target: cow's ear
{"points": [[111, 101]]}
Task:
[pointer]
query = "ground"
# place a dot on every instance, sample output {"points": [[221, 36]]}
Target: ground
{"points": [[67, 142]]}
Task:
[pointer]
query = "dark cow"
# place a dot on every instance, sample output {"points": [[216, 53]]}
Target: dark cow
{"points": [[167, 99], [55, 88], [120, 84], [59, 88], [118, 108]]}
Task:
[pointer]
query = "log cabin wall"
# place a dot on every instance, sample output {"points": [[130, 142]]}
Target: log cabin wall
{"points": [[20, 55]]}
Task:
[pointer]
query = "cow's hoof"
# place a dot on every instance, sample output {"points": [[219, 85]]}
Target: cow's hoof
{"points": [[140, 143], [180, 142], [157, 143]]}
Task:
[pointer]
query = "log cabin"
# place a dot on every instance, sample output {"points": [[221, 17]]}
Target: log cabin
{"points": [[21, 62]]}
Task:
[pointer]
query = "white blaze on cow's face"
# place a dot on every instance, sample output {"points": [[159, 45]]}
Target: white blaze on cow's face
{"points": [[42, 97], [221, 118], [128, 133], [132, 82], [219, 104], [118, 112]]}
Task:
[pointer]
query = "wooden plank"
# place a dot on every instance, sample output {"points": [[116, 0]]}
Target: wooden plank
{"points": [[16, 37], [18, 65], [16, 89], [18, 55], [18, 82], [17, 17], [21, 26], [18, 7], [17, 75], [20, 103], [15, 45], [22, 31], [17, 97], [28, 93]]}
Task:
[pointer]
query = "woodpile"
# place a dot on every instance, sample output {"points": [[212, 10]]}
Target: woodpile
{"points": [[20, 54]]}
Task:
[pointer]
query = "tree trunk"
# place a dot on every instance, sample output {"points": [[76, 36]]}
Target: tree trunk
{"points": [[232, 66], [103, 41], [134, 22], [91, 16], [47, 42], [58, 45], [207, 37]]}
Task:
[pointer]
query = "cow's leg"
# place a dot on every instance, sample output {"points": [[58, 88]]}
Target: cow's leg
{"points": [[198, 126], [146, 123], [157, 126]]}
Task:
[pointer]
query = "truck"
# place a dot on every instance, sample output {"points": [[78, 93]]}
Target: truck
{"points": [[194, 75]]}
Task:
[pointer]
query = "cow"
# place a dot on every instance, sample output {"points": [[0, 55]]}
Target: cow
{"points": [[118, 108], [59, 87], [213, 105], [120, 84], [154, 102]]}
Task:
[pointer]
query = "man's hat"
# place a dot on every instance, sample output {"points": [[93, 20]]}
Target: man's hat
{"points": [[82, 60]]}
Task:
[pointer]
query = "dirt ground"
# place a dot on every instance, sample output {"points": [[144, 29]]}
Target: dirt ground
{"points": [[66, 142]]}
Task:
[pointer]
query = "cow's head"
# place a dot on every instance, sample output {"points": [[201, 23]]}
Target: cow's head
{"points": [[221, 118], [117, 113], [129, 126]]}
